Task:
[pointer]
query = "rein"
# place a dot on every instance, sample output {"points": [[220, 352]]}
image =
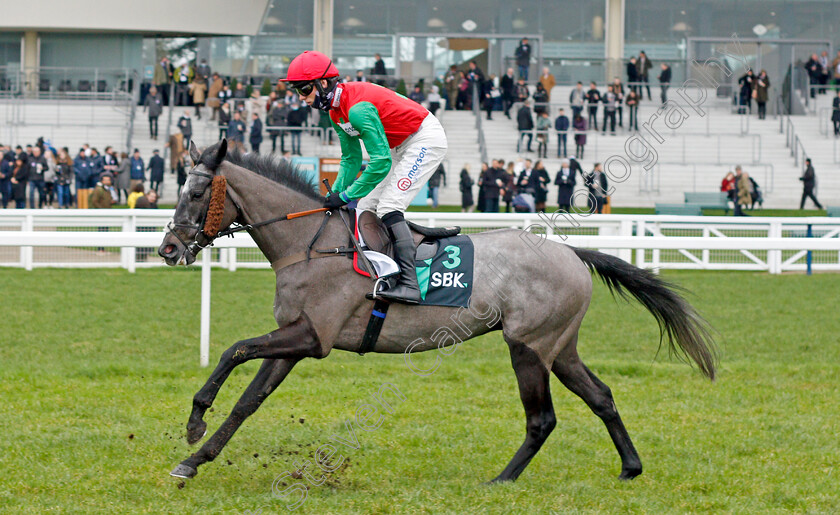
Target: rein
{"points": [[209, 226]]}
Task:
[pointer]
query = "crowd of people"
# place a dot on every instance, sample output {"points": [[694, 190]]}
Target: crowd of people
{"points": [[524, 186], [59, 180]]}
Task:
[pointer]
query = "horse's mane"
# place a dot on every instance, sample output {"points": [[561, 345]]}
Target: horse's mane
{"points": [[274, 169]]}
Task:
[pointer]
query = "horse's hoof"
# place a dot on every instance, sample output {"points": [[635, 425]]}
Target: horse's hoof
{"points": [[184, 471], [629, 474], [195, 434]]}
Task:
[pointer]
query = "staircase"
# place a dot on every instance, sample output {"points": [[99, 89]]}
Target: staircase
{"points": [[816, 132], [693, 154], [462, 138]]}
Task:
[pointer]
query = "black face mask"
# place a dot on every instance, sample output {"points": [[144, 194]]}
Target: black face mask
{"points": [[323, 99]]}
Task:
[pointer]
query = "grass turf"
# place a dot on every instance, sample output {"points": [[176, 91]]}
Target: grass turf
{"points": [[99, 368]]}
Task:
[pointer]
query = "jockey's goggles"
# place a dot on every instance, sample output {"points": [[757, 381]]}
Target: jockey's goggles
{"points": [[303, 88]]}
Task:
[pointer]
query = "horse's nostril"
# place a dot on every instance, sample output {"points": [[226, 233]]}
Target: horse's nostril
{"points": [[167, 250]]}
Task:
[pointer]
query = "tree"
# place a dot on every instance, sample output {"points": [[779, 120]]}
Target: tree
{"points": [[401, 88], [265, 90]]}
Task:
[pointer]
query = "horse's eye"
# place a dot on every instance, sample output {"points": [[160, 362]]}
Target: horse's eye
{"points": [[197, 195]]}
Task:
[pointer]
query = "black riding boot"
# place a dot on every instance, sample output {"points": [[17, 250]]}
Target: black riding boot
{"points": [[406, 291]]}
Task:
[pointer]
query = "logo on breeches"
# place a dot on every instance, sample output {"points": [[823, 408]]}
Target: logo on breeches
{"points": [[403, 184]]}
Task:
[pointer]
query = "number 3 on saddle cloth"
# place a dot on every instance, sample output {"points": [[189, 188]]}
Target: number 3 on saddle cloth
{"points": [[444, 260]]}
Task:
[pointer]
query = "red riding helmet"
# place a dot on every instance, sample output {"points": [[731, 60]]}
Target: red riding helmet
{"points": [[309, 66]]}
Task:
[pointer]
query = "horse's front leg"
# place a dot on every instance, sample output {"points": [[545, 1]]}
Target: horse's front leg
{"points": [[295, 341], [271, 374]]}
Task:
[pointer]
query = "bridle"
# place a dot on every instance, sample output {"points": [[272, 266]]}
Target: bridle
{"points": [[196, 246]]}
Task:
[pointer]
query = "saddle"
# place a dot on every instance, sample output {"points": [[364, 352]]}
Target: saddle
{"points": [[375, 236]]}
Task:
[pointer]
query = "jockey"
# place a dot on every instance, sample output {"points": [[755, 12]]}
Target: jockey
{"points": [[405, 143]]}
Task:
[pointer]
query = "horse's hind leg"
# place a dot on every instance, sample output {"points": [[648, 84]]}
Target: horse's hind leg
{"points": [[268, 378], [576, 377], [532, 377]]}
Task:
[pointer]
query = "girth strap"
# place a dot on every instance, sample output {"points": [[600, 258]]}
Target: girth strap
{"points": [[305, 256], [377, 319]]}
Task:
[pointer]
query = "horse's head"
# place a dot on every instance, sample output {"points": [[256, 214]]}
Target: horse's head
{"points": [[203, 209]]}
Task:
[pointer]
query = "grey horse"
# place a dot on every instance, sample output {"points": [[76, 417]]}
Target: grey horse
{"points": [[535, 291]]}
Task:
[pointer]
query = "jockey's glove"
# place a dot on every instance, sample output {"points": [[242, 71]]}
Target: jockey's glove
{"points": [[335, 200]]}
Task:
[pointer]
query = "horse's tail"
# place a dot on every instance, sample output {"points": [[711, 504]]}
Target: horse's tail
{"points": [[688, 333]]}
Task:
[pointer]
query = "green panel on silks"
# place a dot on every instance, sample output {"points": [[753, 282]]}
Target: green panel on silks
{"points": [[447, 278]]}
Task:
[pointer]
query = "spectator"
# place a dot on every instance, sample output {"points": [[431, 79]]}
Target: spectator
{"points": [[183, 77], [755, 193], [727, 185], [451, 81], [97, 167], [63, 178], [825, 72], [203, 70], [618, 89], [122, 182], [236, 130], [565, 182], [434, 184], [49, 178], [814, 70], [577, 98], [593, 98], [747, 83], [507, 85], [632, 101], [378, 66], [598, 187], [492, 185], [480, 205], [523, 58], [521, 91], [110, 163], [540, 100], [225, 94], [20, 176], [523, 202], [835, 114], [360, 76], [82, 171], [737, 211], [462, 101], [633, 75], [103, 196], [198, 88], [326, 125], [543, 126], [417, 95], [509, 180], [466, 184], [525, 124], [809, 180], [36, 166], [276, 119], [224, 119], [761, 93], [476, 78], [434, 102], [609, 100], [548, 82], [561, 125], [147, 201], [643, 66], [664, 82], [296, 118], [153, 104], [156, 169], [525, 182], [162, 78], [181, 168], [579, 125], [7, 163], [213, 100], [255, 136], [744, 188], [185, 126], [541, 181], [136, 192], [489, 93], [138, 170]]}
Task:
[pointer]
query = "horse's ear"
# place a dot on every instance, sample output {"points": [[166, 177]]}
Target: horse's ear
{"points": [[223, 146], [215, 155], [195, 154]]}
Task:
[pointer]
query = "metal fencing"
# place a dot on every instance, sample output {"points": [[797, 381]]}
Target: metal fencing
{"points": [[122, 239]]}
